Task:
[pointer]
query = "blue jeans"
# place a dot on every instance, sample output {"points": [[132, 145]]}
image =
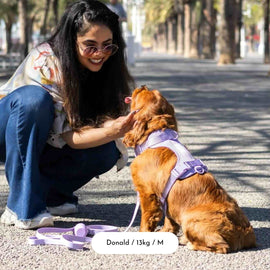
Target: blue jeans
{"points": [[38, 174]]}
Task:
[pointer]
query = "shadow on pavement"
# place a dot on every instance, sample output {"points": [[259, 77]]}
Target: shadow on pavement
{"points": [[257, 214], [262, 238], [118, 215]]}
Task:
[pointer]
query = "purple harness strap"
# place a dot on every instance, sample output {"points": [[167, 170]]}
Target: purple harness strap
{"points": [[185, 166]]}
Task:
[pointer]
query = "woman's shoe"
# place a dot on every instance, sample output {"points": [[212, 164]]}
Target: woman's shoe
{"points": [[63, 209], [44, 219]]}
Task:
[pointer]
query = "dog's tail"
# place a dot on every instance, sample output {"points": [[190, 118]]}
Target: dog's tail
{"points": [[249, 238]]}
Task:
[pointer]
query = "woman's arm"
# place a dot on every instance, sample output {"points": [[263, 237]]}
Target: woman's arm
{"points": [[91, 137]]}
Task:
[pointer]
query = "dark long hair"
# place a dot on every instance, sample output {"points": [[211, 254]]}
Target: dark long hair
{"points": [[90, 96]]}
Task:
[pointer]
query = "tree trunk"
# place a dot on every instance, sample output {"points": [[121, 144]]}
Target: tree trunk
{"points": [[194, 53], [23, 20], [187, 37], [172, 34], [227, 32], [155, 42], [8, 25], [266, 32], [166, 36], [55, 10], [208, 29], [161, 38], [30, 29], [239, 24], [43, 30], [180, 32], [179, 26]]}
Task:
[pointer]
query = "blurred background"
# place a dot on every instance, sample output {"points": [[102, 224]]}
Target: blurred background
{"points": [[224, 30]]}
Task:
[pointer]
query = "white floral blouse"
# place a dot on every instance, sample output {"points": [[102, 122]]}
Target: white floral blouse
{"points": [[41, 68]]}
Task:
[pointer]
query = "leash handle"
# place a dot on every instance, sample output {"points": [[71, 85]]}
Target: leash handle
{"points": [[70, 241], [75, 241]]}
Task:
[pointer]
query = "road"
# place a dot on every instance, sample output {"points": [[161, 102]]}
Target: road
{"points": [[224, 119]]}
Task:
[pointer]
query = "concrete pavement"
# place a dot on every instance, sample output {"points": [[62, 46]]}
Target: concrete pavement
{"points": [[224, 119]]}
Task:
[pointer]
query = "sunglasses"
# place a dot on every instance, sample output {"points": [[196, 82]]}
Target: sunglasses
{"points": [[108, 50]]}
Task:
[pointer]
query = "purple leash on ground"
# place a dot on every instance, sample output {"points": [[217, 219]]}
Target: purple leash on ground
{"points": [[77, 240]]}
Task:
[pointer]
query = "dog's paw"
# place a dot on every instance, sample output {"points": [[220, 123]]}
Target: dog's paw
{"points": [[190, 246], [183, 240]]}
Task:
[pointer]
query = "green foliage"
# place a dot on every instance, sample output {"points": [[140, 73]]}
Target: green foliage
{"points": [[253, 12], [8, 10], [8, 2], [157, 11]]}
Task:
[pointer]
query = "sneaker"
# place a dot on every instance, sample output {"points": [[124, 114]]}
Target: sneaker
{"points": [[8, 217], [63, 209], [42, 220]]}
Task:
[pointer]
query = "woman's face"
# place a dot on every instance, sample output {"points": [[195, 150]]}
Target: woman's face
{"points": [[99, 36]]}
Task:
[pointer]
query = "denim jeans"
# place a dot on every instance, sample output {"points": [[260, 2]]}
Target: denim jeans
{"points": [[38, 174]]}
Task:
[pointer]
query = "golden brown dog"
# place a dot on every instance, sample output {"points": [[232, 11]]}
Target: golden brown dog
{"points": [[211, 220]]}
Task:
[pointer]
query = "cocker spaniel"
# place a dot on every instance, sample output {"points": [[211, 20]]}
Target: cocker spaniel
{"points": [[211, 220]]}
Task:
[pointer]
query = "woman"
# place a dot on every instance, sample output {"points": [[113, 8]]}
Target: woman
{"points": [[61, 121]]}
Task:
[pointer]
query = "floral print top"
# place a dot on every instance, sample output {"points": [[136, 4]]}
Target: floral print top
{"points": [[41, 68]]}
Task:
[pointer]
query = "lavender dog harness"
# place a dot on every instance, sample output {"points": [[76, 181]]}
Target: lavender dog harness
{"points": [[185, 166]]}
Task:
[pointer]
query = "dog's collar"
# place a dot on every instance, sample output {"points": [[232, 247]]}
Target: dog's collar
{"points": [[185, 166]]}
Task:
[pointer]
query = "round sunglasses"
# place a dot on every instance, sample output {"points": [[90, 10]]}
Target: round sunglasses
{"points": [[108, 50]]}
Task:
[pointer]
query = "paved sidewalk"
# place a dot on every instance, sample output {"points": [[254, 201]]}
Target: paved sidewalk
{"points": [[224, 119]]}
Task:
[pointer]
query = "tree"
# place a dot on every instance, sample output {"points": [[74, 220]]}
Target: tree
{"points": [[43, 30], [180, 24], [187, 35], [194, 31], [157, 12], [227, 32], [266, 31], [23, 20], [55, 5], [8, 13], [191, 29], [208, 29], [239, 24]]}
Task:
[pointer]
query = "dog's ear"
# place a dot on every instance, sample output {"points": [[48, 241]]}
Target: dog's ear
{"points": [[155, 113], [163, 121], [143, 127], [163, 115], [137, 135]]}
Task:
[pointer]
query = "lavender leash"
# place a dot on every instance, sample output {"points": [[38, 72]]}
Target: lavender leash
{"points": [[77, 240], [134, 213], [79, 237]]}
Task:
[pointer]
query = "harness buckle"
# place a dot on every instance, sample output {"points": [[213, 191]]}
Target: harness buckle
{"points": [[199, 169]]}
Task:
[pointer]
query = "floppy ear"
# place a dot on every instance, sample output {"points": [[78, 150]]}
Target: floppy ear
{"points": [[164, 121], [157, 114], [136, 135], [163, 114], [143, 127]]}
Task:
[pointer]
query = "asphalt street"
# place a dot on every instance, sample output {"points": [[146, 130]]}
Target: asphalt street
{"points": [[224, 119]]}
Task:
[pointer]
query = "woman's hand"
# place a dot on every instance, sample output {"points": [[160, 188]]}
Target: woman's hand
{"points": [[118, 127]]}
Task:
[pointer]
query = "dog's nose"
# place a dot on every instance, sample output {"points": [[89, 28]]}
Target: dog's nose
{"points": [[128, 100]]}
